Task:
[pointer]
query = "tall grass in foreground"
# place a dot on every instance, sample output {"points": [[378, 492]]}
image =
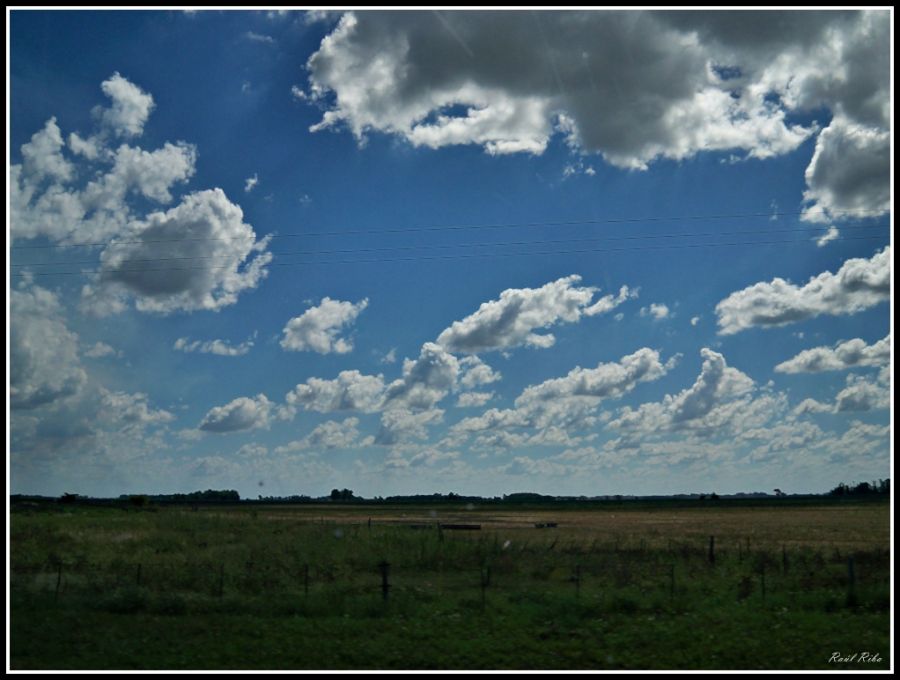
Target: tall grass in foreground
{"points": [[553, 591]]}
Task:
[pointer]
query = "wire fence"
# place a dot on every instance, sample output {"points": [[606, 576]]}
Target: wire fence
{"points": [[682, 570]]}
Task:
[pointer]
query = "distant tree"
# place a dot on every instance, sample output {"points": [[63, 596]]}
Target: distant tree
{"points": [[341, 495], [840, 490], [68, 498], [138, 500], [779, 492], [713, 496]]}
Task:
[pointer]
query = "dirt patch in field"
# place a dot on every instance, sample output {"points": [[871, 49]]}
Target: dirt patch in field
{"points": [[843, 527]]}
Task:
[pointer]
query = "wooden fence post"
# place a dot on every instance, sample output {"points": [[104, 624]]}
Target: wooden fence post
{"points": [[58, 580], [384, 566], [305, 580], [763, 581], [485, 582], [851, 582], [672, 581], [221, 579], [712, 549]]}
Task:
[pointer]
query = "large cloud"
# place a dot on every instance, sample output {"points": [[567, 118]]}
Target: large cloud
{"points": [[605, 381], [425, 381], [847, 354], [632, 86], [130, 108], [512, 320], [85, 199], [318, 327], [131, 412], [862, 393], [350, 391], [197, 255], [858, 285], [243, 413], [332, 434], [402, 425], [548, 411], [43, 352], [622, 83], [720, 401], [849, 175]]}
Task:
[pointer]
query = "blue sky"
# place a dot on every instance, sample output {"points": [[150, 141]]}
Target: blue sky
{"points": [[565, 252]]}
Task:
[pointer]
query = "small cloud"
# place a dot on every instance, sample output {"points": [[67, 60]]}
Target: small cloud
{"points": [[189, 434], [250, 183], [101, 349], [390, 357], [318, 328], [828, 236], [259, 38], [695, 320], [619, 316], [733, 159], [578, 168], [220, 347], [657, 310], [305, 199], [470, 399]]}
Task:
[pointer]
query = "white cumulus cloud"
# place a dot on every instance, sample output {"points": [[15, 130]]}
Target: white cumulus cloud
{"points": [[633, 86], [43, 352], [858, 285], [318, 327], [332, 434], [657, 310], [219, 347], [350, 391], [243, 413], [844, 355], [130, 107], [512, 320], [198, 255]]}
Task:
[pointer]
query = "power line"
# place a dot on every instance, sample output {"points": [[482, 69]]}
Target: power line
{"points": [[469, 245], [449, 257], [508, 225]]}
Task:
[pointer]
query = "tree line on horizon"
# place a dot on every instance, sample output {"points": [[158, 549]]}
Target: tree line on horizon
{"points": [[875, 487]]}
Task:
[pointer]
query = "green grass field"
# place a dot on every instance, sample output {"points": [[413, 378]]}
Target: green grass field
{"points": [[300, 587]]}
